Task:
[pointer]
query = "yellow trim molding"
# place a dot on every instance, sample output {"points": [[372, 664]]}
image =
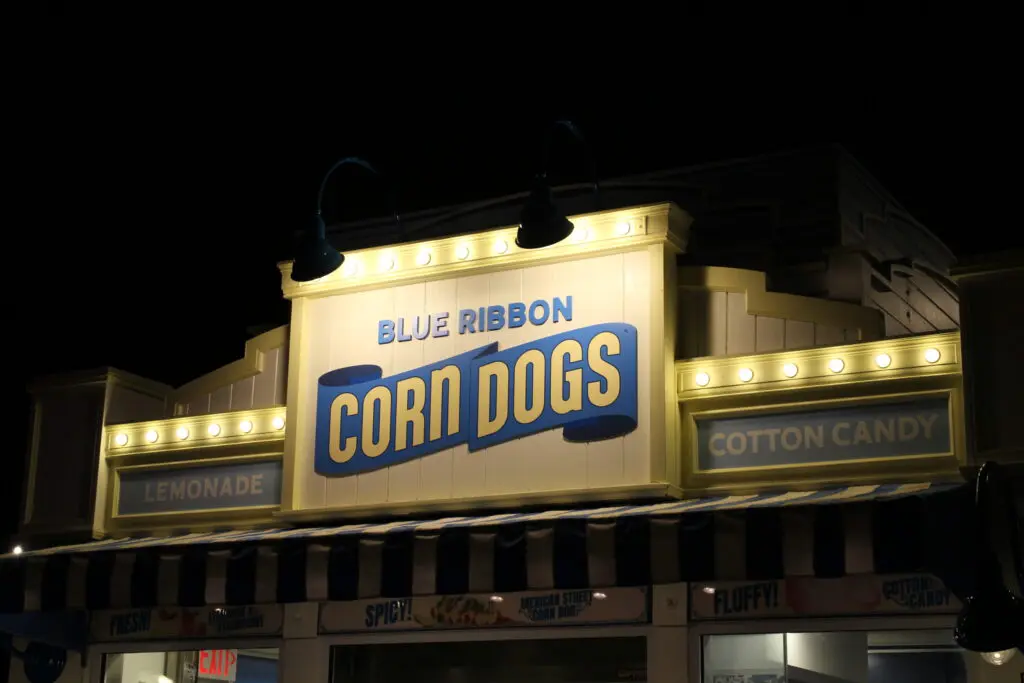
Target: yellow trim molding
{"points": [[249, 365], [493, 250], [867, 321], [215, 431]]}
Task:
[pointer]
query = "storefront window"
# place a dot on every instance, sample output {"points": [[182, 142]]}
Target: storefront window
{"points": [[580, 660], [192, 666], [927, 656]]}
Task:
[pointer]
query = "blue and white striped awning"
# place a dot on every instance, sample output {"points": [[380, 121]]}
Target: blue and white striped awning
{"points": [[829, 532]]}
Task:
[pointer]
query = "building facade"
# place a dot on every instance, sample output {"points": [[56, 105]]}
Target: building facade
{"points": [[708, 437]]}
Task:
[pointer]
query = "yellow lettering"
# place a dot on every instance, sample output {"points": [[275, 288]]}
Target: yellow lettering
{"points": [[257, 484], [861, 433], [713, 446], [753, 434], [531, 361], [560, 377], [814, 436], [225, 487], [791, 438], [927, 422], [350, 405], [241, 485], [406, 414], [885, 431], [178, 490], [452, 376], [772, 434], [908, 429], [209, 488], [485, 426], [194, 492], [161, 491], [836, 438], [148, 496], [736, 443], [376, 408], [608, 341]]}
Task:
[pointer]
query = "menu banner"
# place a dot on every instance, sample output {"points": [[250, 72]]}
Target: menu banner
{"points": [[809, 596], [183, 622], [536, 608]]}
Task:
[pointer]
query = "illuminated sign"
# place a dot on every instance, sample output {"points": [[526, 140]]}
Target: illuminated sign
{"points": [[203, 487], [474, 320], [877, 430], [583, 381], [218, 665]]}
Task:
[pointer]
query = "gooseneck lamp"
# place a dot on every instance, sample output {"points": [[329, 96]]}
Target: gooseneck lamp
{"points": [[992, 620], [541, 224], [316, 257]]}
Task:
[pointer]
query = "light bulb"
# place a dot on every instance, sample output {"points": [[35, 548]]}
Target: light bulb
{"points": [[790, 369], [213, 430], [999, 658], [423, 258], [462, 253], [598, 595], [350, 268], [152, 436], [245, 426], [387, 263], [710, 590], [182, 433], [702, 379], [17, 550], [623, 228], [497, 598], [836, 365], [932, 355], [501, 246], [883, 360], [580, 234], [746, 374], [121, 440], [278, 423]]}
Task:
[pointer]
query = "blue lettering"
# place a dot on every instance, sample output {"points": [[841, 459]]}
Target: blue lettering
{"points": [[749, 597], [495, 318], [582, 381], [417, 333], [403, 336], [385, 331], [539, 312], [517, 314], [370, 620], [561, 309], [467, 317], [440, 325]]}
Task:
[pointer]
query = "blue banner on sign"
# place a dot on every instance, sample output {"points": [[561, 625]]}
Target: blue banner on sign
{"points": [[192, 489], [584, 381], [882, 430]]}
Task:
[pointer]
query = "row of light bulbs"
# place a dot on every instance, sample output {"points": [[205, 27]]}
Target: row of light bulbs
{"points": [[183, 432], [499, 247], [836, 365]]}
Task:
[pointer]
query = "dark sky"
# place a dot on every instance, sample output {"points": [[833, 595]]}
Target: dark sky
{"points": [[154, 195]]}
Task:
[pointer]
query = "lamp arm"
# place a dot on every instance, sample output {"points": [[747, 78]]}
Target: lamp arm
{"points": [[988, 481], [356, 161], [578, 135]]}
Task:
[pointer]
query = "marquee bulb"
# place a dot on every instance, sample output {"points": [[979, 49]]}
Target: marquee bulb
{"points": [[350, 268], [598, 595], [152, 436], [213, 430], [462, 253], [932, 355], [702, 379], [790, 369], [580, 233], [387, 263], [883, 360], [423, 258], [17, 550], [623, 228], [278, 423], [245, 426], [501, 246], [182, 433], [836, 365], [746, 374], [999, 658], [121, 440]]}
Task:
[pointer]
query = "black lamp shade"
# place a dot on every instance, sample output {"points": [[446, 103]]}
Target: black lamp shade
{"points": [[541, 224], [991, 621], [316, 258]]}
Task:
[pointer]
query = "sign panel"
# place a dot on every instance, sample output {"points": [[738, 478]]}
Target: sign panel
{"points": [[218, 665], [878, 430], [204, 487], [582, 381], [537, 608], [183, 622], [808, 596]]}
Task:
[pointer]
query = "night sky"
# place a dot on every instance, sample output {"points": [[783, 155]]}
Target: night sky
{"points": [[155, 209]]}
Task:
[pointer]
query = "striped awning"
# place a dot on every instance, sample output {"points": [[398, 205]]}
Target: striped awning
{"points": [[826, 533]]}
